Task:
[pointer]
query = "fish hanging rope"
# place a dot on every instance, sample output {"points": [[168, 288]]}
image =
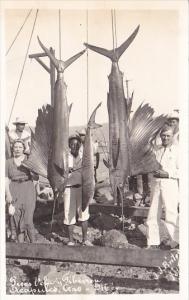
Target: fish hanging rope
{"points": [[60, 33], [87, 36]]}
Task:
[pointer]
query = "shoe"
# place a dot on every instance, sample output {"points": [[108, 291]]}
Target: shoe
{"points": [[70, 243], [174, 245], [87, 243]]}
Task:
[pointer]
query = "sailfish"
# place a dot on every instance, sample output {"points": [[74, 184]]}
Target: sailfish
{"points": [[50, 149], [130, 152]]}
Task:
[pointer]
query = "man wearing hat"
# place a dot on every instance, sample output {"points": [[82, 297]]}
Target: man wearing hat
{"points": [[164, 191], [82, 134], [20, 134]]}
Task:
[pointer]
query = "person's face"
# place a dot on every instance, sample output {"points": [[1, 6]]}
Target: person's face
{"points": [[18, 149], [74, 147], [20, 127], [173, 123], [167, 138]]}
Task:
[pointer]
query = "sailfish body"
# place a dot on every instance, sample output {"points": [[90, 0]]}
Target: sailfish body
{"points": [[52, 130], [125, 142], [88, 182]]}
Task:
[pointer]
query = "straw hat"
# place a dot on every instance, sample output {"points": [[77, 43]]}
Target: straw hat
{"points": [[19, 121], [82, 132], [173, 115]]}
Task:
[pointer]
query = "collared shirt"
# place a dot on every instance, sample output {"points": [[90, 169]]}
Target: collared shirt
{"points": [[168, 157], [25, 137], [75, 163]]}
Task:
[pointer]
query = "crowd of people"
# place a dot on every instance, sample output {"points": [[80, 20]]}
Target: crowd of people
{"points": [[162, 186]]}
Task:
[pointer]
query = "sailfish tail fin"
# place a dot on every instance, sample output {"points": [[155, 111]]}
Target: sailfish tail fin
{"points": [[59, 64], [73, 58], [49, 54], [114, 54]]}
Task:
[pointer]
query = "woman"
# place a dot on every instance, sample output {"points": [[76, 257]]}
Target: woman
{"points": [[20, 191]]}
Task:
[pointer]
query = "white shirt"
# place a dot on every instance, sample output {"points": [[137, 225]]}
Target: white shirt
{"points": [[75, 163], [168, 157]]}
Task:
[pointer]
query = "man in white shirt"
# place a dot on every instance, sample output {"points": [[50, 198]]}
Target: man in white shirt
{"points": [[20, 134], [164, 191]]}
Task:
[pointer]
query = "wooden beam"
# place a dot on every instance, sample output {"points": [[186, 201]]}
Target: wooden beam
{"points": [[43, 210], [128, 211], [37, 55], [135, 283], [93, 255], [43, 64]]}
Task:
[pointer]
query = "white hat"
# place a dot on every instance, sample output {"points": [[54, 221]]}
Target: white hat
{"points": [[174, 115], [82, 131], [19, 121]]}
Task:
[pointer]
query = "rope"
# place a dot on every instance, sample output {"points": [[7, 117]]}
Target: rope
{"points": [[60, 42], [115, 28], [113, 34], [18, 32], [23, 66], [87, 35]]}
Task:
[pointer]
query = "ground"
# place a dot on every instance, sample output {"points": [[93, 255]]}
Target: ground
{"points": [[28, 277]]}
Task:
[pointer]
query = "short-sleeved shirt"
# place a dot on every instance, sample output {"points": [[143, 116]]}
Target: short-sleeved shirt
{"points": [[14, 172], [76, 164]]}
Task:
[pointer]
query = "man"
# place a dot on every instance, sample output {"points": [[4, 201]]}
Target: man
{"points": [[20, 134], [164, 191], [73, 193], [82, 135]]}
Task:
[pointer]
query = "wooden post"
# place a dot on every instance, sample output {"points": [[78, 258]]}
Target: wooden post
{"points": [[50, 70], [52, 78]]}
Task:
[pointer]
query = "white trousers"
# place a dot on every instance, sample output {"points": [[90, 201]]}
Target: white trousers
{"points": [[73, 206], [164, 192]]}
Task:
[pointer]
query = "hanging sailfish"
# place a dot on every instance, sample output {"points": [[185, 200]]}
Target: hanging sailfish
{"points": [[88, 182], [128, 155], [50, 150]]}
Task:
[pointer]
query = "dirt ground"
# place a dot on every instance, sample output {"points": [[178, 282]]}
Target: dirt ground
{"points": [[34, 277]]}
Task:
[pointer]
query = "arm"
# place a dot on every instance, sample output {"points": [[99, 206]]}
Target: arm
{"points": [[97, 160], [8, 195]]}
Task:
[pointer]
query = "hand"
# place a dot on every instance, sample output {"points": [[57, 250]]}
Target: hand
{"points": [[70, 170], [161, 174], [8, 198]]}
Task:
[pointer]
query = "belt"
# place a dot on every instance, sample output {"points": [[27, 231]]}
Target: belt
{"points": [[74, 186], [20, 180]]}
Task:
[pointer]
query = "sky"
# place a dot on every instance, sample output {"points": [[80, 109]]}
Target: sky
{"points": [[151, 62]]}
